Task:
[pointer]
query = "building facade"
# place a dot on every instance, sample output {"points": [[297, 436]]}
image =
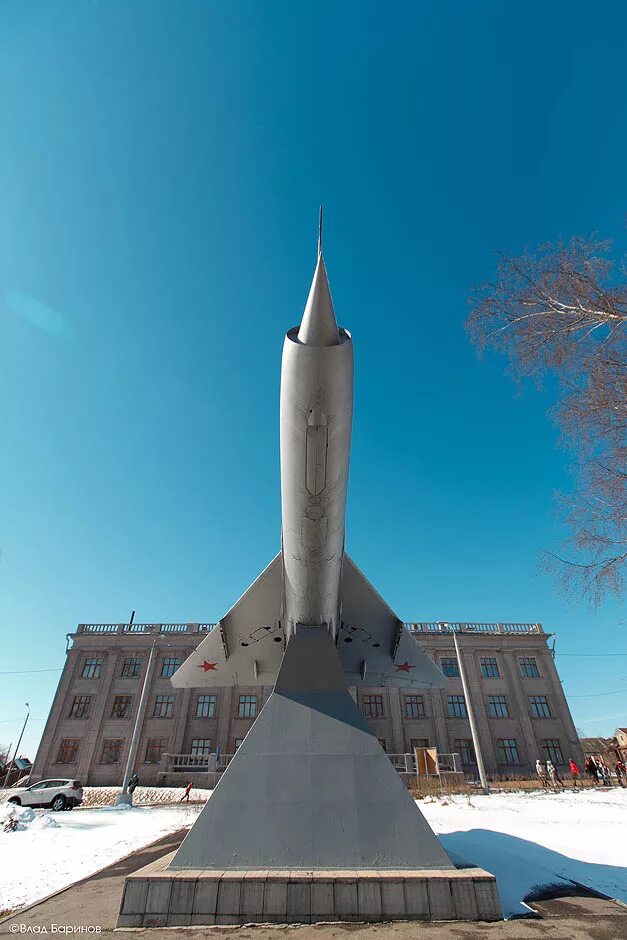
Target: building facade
{"points": [[519, 705]]}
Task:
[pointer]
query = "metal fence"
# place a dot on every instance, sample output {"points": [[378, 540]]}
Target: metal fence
{"points": [[145, 628], [445, 626]]}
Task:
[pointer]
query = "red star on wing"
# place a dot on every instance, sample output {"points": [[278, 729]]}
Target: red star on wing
{"points": [[404, 667], [205, 666]]}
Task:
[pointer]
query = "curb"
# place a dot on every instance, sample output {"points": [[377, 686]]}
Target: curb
{"points": [[54, 894]]}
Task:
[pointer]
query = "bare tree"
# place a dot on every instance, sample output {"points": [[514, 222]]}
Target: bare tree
{"points": [[563, 311]]}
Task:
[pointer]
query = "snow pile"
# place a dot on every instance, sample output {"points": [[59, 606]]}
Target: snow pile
{"points": [[24, 816], [531, 840], [44, 822]]}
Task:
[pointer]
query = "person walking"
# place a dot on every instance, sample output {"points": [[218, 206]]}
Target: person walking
{"points": [[621, 772], [541, 772], [187, 792], [133, 782], [605, 773], [590, 768], [550, 769], [574, 772]]}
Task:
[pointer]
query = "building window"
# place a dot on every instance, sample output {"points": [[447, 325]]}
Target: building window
{"points": [[91, 669], [418, 742], [169, 666], [247, 706], [489, 667], [206, 706], [373, 706], [164, 706], [201, 747], [155, 748], [528, 667], [457, 706], [121, 706], [552, 750], [497, 706], [539, 706], [414, 706], [131, 668], [68, 751], [449, 666], [80, 706], [112, 751], [507, 751], [463, 747], [238, 742], [383, 743]]}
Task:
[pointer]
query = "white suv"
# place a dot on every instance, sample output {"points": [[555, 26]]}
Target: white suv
{"points": [[57, 794]]}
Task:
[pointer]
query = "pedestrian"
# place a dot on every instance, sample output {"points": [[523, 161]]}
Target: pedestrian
{"points": [[541, 772], [133, 782], [550, 769], [590, 768], [621, 772], [605, 771], [574, 772], [187, 792]]}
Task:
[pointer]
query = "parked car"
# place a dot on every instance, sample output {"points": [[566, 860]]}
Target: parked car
{"points": [[56, 794]]}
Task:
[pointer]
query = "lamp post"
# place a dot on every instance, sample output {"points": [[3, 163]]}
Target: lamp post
{"points": [[19, 741], [125, 796], [471, 717]]}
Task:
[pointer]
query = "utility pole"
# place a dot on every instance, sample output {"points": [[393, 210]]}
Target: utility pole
{"points": [[471, 716], [17, 746], [125, 796]]}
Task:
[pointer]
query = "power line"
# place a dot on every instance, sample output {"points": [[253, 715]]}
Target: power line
{"points": [[598, 694], [590, 654], [6, 721], [23, 672]]}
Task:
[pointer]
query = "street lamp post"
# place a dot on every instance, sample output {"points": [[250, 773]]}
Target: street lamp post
{"points": [[125, 796], [471, 716], [17, 746]]}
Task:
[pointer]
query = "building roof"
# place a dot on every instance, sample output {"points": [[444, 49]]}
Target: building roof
{"points": [[596, 745]]}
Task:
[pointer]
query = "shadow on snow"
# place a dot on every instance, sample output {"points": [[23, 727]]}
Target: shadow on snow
{"points": [[524, 870]]}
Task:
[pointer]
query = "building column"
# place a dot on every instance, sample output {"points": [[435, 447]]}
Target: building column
{"points": [[88, 752], [395, 721], [523, 719], [224, 718], [181, 720], [481, 717], [561, 709], [59, 704], [439, 721]]}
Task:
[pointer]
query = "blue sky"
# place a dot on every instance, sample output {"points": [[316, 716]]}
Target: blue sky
{"points": [[161, 170]]}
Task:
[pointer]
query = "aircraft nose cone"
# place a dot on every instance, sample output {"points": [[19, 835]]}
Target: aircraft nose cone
{"points": [[319, 326]]}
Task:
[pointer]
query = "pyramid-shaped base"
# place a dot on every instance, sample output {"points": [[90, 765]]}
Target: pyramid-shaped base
{"points": [[310, 787]]}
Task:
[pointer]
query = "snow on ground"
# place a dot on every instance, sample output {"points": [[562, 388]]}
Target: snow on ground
{"points": [[40, 858], [529, 840], [534, 839]]}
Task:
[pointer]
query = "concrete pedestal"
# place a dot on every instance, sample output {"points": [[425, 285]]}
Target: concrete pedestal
{"points": [[158, 897], [310, 822]]}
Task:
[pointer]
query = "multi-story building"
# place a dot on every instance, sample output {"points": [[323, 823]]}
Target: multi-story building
{"points": [[519, 705]]}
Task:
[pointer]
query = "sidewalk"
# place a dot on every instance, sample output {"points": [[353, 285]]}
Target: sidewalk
{"points": [[94, 903]]}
